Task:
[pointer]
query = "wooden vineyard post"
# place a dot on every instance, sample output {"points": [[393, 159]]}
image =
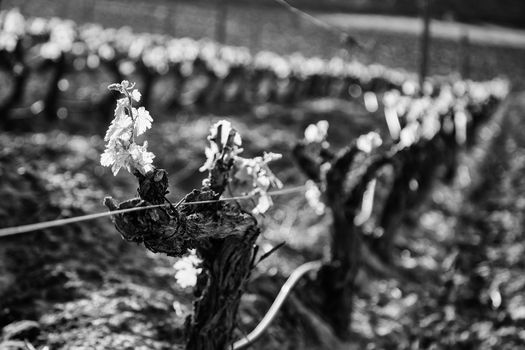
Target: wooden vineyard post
{"points": [[221, 21], [464, 54], [425, 43]]}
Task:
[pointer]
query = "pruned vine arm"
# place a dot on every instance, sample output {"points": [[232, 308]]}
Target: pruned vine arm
{"points": [[175, 230]]}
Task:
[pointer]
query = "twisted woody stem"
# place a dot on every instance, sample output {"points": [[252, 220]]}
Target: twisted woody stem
{"points": [[227, 264], [336, 279], [222, 233]]}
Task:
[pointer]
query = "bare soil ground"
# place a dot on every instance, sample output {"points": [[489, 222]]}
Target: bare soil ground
{"points": [[461, 256]]}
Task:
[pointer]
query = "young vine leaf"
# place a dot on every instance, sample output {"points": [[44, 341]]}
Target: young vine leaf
{"points": [[187, 269], [251, 175], [122, 150]]}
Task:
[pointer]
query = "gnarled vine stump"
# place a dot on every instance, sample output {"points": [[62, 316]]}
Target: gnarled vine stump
{"points": [[336, 279], [222, 233]]}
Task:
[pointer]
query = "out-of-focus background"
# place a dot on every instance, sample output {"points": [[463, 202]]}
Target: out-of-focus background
{"points": [[271, 67], [479, 38]]}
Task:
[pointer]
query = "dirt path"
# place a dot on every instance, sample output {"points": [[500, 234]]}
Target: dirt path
{"points": [[485, 35]]}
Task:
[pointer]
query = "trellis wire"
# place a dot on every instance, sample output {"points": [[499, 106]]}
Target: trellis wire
{"points": [[292, 280], [11, 231], [343, 36]]}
